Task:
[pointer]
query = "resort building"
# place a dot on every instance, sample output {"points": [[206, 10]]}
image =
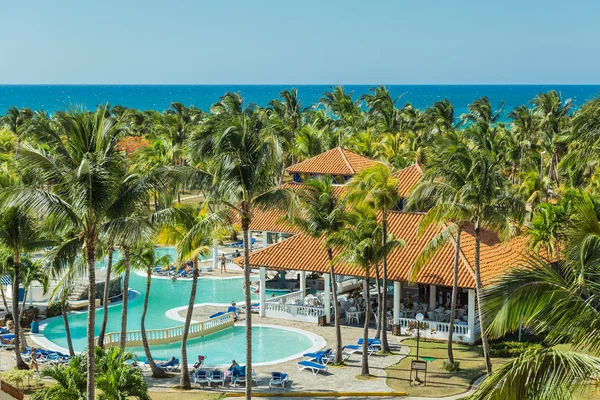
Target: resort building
{"points": [[287, 249]]}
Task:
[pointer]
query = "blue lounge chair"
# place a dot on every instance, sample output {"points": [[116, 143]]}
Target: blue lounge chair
{"points": [[237, 244], [321, 357], [371, 342], [200, 377], [217, 376], [234, 310], [171, 365], [354, 348], [218, 314], [313, 366], [278, 378]]}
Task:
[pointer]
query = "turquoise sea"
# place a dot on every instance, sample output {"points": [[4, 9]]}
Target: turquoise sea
{"points": [[158, 97]]}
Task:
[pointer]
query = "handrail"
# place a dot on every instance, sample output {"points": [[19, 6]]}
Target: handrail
{"points": [[298, 295], [173, 334]]}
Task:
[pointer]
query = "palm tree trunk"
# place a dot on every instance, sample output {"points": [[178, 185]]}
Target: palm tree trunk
{"points": [[365, 354], [15, 313], [127, 257], [377, 319], [3, 297], [248, 302], [91, 322], [336, 311], [454, 296], [21, 312], [63, 311], [479, 286], [106, 297], [184, 380], [385, 347], [156, 372]]}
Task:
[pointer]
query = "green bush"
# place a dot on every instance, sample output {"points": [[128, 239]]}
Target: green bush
{"points": [[53, 310], [17, 377], [511, 349], [451, 367]]}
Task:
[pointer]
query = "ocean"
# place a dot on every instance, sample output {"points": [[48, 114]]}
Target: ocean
{"points": [[53, 98]]}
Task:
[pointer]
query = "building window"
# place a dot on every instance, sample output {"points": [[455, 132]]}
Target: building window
{"points": [[400, 204]]}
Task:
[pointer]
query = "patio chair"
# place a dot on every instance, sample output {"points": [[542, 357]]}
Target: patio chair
{"points": [[170, 366], [234, 310], [217, 376], [312, 366], [354, 348], [278, 379], [321, 357], [200, 377], [370, 341], [217, 314]]}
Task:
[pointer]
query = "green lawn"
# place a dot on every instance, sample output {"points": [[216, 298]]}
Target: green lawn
{"points": [[439, 382]]}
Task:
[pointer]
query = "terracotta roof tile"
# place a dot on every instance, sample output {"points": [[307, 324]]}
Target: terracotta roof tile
{"points": [[338, 161], [408, 179], [302, 252]]}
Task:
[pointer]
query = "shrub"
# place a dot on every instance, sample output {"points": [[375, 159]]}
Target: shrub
{"points": [[451, 367], [53, 310], [511, 349], [17, 377]]}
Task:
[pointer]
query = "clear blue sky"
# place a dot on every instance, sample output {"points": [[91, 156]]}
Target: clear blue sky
{"points": [[286, 41]]}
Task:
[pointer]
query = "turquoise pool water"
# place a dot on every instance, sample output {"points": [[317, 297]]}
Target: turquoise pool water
{"points": [[164, 295]]}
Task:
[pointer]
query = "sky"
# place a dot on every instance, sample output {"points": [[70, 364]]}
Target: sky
{"points": [[299, 42]]}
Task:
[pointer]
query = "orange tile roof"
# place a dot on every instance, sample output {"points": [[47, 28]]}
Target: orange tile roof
{"points": [[408, 179], [302, 252], [338, 161]]}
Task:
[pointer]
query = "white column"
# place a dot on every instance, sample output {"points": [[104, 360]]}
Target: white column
{"points": [[215, 254], [327, 297], [303, 282], [265, 243], [397, 297], [432, 296], [281, 237], [250, 240], [471, 315], [262, 291]]}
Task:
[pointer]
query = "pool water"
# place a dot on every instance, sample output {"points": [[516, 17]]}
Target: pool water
{"points": [[165, 295]]}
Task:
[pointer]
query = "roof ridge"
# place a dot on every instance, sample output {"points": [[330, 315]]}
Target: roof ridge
{"points": [[341, 150]]}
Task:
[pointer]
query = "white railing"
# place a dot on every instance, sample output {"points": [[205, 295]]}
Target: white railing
{"points": [[437, 330], [288, 298], [293, 311], [174, 334]]}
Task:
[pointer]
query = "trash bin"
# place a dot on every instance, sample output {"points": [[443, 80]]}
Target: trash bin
{"points": [[35, 327], [322, 321], [396, 330]]}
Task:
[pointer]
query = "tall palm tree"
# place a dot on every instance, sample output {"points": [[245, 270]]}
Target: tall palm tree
{"points": [[17, 121], [144, 258], [85, 168], [378, 187], [185, 227], [19, 234], [320, 213], [244, 168], [109, 250], [558, 303], [361, 246], [31, 272]]}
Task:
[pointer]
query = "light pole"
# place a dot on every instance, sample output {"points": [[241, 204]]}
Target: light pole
{"points": [[419, 317]]}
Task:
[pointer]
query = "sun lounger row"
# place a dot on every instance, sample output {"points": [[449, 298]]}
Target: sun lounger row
{"points": [[45, 356]]}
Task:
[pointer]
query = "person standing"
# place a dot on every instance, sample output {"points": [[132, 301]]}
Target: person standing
{"points": [[223, 263]]}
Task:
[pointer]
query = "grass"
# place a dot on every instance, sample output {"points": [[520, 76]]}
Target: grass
{"points": [[439, 382]]}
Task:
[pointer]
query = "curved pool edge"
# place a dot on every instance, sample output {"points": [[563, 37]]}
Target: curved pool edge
{"points": [[241, 276], [41, 340]]}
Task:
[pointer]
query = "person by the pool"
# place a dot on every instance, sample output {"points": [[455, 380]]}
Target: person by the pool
{"points": [[34, 361], [233, 364], [223, 263], [170, 360]]}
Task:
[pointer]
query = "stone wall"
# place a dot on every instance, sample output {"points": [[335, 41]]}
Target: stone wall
{"points": [[115, 289]]}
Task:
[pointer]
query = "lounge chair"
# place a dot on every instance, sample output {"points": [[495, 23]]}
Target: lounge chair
{"points": [[218, 314], [371, 342], [354, 348], [170, 366], [217, 376], [238, 375], [7, 337], [234, 310], [321, 357], [313, 366], [278, 378], [200, 377]]}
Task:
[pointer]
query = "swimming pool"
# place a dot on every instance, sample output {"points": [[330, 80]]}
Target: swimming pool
{"points": [[270, 343]]}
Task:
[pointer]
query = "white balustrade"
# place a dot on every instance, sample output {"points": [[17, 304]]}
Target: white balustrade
{"points": [[174, 334], [294, 311], [437, 330], [288, 298]]}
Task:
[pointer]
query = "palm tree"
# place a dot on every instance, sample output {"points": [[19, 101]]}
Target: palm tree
{"points": [[361, 246], [30, 272], [85, 168], [109, 249], [116, 379], [19, 234], [70, 380], [544, 232], [558, 302], [320, 213], [185, 227], [17, 121], [244, 168], [378, 187], [143, 257]]}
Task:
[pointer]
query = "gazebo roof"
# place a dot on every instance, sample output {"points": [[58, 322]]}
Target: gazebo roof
{"points": [[338, 161]]}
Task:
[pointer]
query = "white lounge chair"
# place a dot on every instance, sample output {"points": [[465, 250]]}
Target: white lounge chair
{"points": [[200, 377], [278, 379], [354, 348], [313, 366], [217, 376]]}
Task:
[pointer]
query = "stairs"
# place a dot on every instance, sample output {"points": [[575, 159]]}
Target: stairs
{"points": [[77, 292]]}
